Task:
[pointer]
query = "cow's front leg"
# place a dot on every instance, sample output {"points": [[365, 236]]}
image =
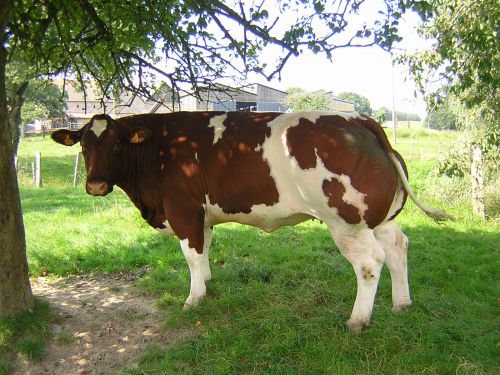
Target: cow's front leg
{"points": [[199, 269]]}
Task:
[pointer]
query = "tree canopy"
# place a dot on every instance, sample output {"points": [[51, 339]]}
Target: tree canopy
{"points": [[124, 44], [301, 100], [465, 58], [442, 118], [361, 103], [47, 95]]}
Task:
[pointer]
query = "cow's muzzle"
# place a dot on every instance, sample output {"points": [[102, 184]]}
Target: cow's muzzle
{"points": [[98, 188]]}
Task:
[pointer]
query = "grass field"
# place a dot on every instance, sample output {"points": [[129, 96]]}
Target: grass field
{"points": [[277, 302]]}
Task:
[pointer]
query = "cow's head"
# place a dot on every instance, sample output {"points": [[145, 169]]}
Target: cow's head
{"points": [[103, 142]]}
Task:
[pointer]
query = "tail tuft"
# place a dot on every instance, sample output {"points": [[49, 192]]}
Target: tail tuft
{"points": [[438, 215]]}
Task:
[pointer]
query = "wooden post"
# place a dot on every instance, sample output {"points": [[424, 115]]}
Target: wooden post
{"points": [[76, 174], [38, 169], [477, 182], [411, 146], [33, 172]]}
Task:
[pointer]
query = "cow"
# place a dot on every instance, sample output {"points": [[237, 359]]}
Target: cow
{"points": [[188, 171]]}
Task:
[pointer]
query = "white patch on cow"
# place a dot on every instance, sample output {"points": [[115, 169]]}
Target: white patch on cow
{"points": [[196, 156], [98, 126], [167, 229], [352, 196], [217, 123], [268, 218], [195, 262]]}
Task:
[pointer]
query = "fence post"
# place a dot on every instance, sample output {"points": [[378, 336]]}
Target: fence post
{"points": [[76, 174], [38, 169], [411, 146], [477, 182]]}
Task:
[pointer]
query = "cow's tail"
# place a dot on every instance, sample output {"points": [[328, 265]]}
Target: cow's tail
{"points": [[434, 213]]}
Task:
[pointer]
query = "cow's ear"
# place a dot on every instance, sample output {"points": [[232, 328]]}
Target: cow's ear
{"points": [[139, 135], [66, 137]]}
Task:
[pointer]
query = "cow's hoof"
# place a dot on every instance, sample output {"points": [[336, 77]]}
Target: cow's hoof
{"points": [[356, 326], [401, 308], [191, 303]]}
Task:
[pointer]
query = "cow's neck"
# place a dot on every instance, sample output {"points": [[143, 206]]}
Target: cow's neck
{"points": [[138, 180]]}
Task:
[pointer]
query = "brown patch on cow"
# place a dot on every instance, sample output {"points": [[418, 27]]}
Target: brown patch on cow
{"points": [[367, 273], [349, 147], [241, 178], [300, 150], [334, 190]]}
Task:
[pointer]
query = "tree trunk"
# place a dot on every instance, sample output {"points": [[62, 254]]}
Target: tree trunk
{"points": [[16, 101], [15, 289], [477, 182]]}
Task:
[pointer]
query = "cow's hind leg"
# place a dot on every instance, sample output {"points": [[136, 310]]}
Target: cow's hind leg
{"points": [[366, 256], [198, 267], [395, 245], [205, 266]]}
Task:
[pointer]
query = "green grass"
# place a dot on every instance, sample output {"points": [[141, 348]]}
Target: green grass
{"points": [[277, 302], [25, 335]]}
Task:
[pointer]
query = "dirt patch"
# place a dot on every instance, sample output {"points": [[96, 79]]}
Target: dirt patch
{"points": [[103, 323]]}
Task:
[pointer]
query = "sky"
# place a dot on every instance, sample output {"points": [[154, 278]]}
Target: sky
{"points": [[366, 71]]}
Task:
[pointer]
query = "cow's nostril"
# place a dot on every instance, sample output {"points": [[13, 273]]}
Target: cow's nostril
{"points": [[97, 188]]}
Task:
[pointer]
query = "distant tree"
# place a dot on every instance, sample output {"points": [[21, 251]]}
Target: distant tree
{"points": [[442, 118], [42, 100], [32, 111], [300, 100], [381, 116], [361, 103], [46, 94], [400, 116]]}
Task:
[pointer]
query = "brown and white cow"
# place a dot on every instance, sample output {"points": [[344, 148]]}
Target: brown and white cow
{"points": [[188, 171]]}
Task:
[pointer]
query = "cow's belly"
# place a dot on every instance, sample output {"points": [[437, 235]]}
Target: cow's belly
{"points": [[267, 218]]}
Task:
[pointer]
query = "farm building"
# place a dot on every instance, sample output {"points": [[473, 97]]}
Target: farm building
{"points": [[255, 97]]}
